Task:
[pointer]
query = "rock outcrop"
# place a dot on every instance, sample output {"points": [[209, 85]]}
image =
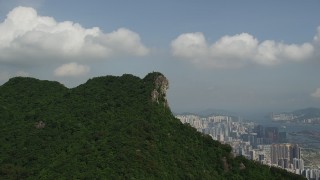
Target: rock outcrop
{"points": [[158, 95]]}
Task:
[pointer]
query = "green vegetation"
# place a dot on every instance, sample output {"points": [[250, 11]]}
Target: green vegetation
{"points": [[109, 127]]}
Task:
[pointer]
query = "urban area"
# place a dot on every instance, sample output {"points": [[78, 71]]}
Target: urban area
{"points": [[256, 142]]}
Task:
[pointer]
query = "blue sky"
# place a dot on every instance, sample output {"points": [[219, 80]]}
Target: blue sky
{"points": [[242, 56]]}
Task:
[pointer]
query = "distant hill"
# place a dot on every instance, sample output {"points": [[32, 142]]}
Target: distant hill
{"points": [[209, 112], [307, 115], [109, 128], [307, 112]]}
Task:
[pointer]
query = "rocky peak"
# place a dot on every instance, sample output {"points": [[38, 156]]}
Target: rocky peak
{"points": [[158, 94]]}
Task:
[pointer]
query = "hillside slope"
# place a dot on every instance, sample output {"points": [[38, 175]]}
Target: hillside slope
{"points": [[109, 127]]}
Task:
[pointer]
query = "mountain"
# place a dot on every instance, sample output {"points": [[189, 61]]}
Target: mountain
{"points": [[307, 115], [210, 112], [109, 128]]}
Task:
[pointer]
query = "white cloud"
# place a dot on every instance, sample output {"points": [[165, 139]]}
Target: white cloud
{"points": [[238, 46], [190, 45], [71, 70], [22, 74], [4, 76], [25, 34], [316, 38], [316, 94], [238, 50]]}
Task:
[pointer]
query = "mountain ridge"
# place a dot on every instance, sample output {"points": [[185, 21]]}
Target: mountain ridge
{"points": [[306, 115], [109, 127]]}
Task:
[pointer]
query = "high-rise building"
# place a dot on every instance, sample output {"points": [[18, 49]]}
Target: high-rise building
{"points": [[271, 135], [298, 164], [252, 137], [286, 155], [259, 130], [296, 151], [282, 137]]}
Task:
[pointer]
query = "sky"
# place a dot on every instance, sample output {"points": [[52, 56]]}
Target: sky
{"points": [[241, 56]]}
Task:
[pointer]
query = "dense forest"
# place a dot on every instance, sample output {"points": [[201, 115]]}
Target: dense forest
{"points": [[108, 128]]}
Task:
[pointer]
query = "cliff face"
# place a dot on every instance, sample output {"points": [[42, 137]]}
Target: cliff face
{"points": [[161, 84], [110, 127]]}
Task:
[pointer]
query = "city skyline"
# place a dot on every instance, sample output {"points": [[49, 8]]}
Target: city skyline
{"points": [[240, 56], [269, 145]]}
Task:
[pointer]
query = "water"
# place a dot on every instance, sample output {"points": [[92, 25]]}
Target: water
{"points": [[298, 133]]}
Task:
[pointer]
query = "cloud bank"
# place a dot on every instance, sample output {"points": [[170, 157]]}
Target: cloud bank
{"points": [[25, 35], [316, 94], [4, 75], [239, 50], [72, 70]]}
